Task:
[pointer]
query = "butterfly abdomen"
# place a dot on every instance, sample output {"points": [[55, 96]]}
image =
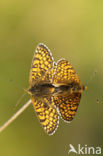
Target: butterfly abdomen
{"points": [[68, 88]]}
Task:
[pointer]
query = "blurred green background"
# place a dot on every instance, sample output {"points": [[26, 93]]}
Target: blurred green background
{"points": [[72, 30]]}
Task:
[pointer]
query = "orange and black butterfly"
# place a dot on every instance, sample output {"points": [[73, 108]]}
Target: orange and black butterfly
{"points": [[55, 89]]}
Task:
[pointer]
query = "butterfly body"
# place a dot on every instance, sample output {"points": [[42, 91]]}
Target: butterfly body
{"points": [[42, 90], [55, 89]]}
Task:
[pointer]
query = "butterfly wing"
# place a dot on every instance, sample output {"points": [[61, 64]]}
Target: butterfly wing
{"points": [[66, 102], [65, 73], [42, 65], [47, 113], [42, 70]]}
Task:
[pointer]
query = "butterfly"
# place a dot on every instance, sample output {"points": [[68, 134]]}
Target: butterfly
{"points": [[55, 89]]}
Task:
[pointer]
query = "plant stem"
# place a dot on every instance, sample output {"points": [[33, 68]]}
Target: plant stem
{"points": [[8, 122]]}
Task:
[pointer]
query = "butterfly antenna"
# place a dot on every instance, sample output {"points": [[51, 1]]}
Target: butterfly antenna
{"points": [[20, 100], [26, 91]]}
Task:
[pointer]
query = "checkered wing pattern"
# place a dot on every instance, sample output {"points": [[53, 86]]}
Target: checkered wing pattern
{"points": [[67, 104], [42, 66], [45, 71], [47, 113], [65, 73]]}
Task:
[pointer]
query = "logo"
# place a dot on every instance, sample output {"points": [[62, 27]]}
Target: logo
{"points": [[84, 149]]}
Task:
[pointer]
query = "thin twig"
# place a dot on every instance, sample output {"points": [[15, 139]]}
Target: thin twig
{"points": [[8, 122]]}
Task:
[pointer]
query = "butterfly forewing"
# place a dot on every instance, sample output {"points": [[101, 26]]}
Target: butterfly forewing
{"points": [[47, 113], [41, 72], [42, 66]]}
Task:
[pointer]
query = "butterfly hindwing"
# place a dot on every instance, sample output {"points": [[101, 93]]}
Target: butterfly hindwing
{"points": [[68, 105], [67, 101], [65, 73]]}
